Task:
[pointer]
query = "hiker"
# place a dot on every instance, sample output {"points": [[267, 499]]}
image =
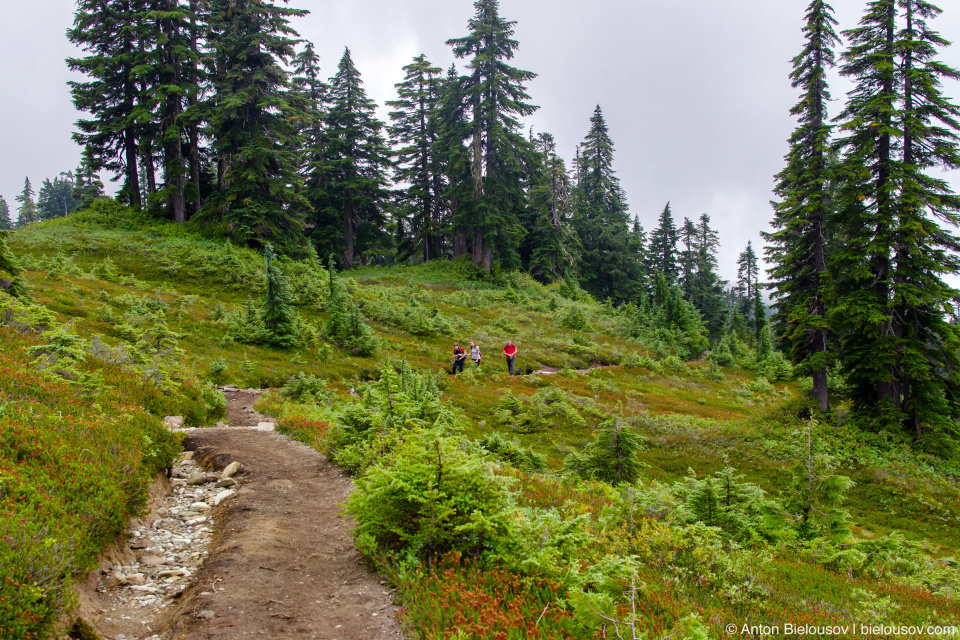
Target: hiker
{"points": [[459, 355], [510, 352], [475, 354]]}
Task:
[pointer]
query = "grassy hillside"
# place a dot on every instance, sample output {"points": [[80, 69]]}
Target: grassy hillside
{"points": [[508, 526]]}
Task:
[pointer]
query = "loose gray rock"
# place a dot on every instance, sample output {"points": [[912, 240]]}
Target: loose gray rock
{"points": [[223, 495], [231, 470], [206, 614], [173, 422], [226, 482], [197, 479]]}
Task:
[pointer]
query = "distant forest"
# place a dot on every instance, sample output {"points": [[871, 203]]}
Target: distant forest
{"points": [[215, 113]]}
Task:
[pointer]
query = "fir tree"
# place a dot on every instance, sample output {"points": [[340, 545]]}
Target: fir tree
{"points": [[707, 292], [550, 250], [802, 215], [689, 255], [662, 252], [748, 276], [10, 266], [611, 457], [355, 160], [813, 500], [6, 224], [899, 350], [279, 317], [108, 32], [27, 211], [310, 94], [609, 266], [56, 198], [456, 162], [172, 59], [414, 130], [494, 96], [252, 125]]}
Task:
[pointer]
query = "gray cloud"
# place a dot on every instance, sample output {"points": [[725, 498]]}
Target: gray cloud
{"points": [[695, 93]]}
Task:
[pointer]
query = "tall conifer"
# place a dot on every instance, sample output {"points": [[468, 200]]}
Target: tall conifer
{"points": [[27, 211], [609, 268], [495, 97], [253, 124], [415, 131], [355, 161], [6, 224], [662, 252], [551, 250], [899, 351], [107, 32], [798, 244]]}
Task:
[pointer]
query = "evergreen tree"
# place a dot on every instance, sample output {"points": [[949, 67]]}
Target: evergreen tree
{"points": [[414, 130], [748, 276], [279, 317], [611, 457], [797, 247], [56, 198], [609, 266], [10, 265], [456, 160], [706, 292], [252, 125], [899, 350], [6, 224], [108, 32], [662, 252], [87, 186], [494, 97], [550, 249], [172, 60], [816, 494], [310, 95], [690, 238], [355, 160], [27, 211]]}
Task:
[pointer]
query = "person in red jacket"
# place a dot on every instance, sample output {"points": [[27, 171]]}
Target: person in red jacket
{"points": [[459, 356], [510, 352]]}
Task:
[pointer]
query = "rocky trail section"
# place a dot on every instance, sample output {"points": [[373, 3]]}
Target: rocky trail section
{"points": [[269, 556]]}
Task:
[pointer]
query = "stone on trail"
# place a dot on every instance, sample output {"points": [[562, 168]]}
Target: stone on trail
{"points": [[226, 482], [197, 478], [200, 506], [173, 422], [231, 470], [223, 495], [150, 560], [266, 426]]}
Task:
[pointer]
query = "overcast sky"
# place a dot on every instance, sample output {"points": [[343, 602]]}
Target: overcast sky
{"points": [[695, 92]]}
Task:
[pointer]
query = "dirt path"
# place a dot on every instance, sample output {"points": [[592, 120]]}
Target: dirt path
{"points": [[283, 563]]}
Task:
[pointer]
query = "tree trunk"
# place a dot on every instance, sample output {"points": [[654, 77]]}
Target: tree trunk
{"points": [[459, 242], [887, 390], [173, 173], [194, 127], [477, 246], [349, 236]]}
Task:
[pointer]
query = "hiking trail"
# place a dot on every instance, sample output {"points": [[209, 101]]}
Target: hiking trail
{"points": [[281, 564]]}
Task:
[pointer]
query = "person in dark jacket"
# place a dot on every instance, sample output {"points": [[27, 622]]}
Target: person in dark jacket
{"points": [[459, 356]]}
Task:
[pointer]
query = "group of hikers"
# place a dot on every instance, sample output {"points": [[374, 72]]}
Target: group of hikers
{"points": [[460, 355]]}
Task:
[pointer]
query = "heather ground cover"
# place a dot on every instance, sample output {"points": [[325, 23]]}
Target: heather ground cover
{"points": [[704, 533]]}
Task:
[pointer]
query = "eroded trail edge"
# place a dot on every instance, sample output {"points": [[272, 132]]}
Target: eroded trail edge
{"points": [[283, 563]]}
